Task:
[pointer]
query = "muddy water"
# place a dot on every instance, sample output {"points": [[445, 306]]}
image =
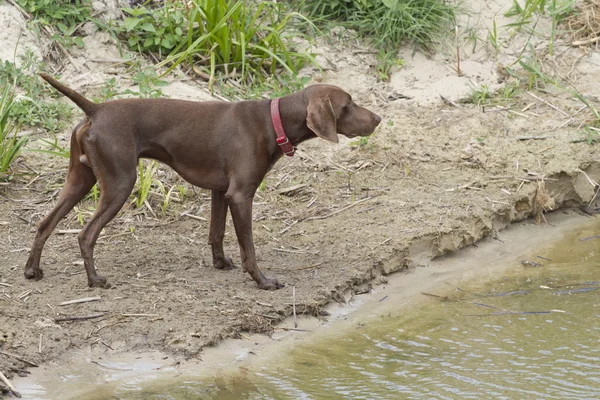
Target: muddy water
{"points": [[534, 333], [509, 332]]}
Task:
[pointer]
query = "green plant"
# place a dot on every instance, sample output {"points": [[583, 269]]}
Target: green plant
{"points": [[148, 82], [108, 91], [10, 144], [385, 61], [55, 149], [533, 67], [480, 95], [154, 30], [508, 91], [232, 39], [360, 143], [493, 37], [591, 128], [389, 22], [66, 15], [182, 191], [557, 10], [36, 107], [146, 171], [592, 136], [471, 36], [276, 86]]}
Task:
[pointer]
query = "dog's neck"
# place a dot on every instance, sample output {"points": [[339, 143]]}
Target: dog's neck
{"points": [[293, 113]]}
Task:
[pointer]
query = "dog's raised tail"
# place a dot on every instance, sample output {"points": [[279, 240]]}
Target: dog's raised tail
{"points": [[86, 105]]}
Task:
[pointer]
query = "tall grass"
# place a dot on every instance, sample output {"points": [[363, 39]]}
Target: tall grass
{"points": [[389, 22], [243, 39], [10, 144]]}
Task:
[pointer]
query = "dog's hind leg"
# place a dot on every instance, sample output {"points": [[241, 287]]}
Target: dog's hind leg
{"points": [[80, 179]]}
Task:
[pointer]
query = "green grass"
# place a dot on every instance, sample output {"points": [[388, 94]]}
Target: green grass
{"points": [[389, 23], [10, 144]]}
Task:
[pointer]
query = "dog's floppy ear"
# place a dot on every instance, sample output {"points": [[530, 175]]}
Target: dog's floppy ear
{"points": [[321, 120]]}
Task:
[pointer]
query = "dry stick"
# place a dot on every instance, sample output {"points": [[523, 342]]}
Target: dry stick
{"points": [[587, 41], [79, 317], [549, 104], [10, 387], [83, 300], [294, 305], [194, 217], [457, 52], [341, 209], [140, 315], [40, 347], [533, 137], [32, 364]]}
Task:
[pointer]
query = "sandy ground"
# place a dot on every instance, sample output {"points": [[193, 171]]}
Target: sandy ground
{"points": [[433, 179]]}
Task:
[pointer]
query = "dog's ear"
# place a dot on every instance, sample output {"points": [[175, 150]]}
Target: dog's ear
{"points": [[321, 120]]}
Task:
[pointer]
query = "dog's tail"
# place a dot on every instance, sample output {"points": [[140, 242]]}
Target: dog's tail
{"points": [[86, 105]]}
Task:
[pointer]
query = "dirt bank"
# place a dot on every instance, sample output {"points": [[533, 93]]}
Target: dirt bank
{"points": [[430, 181]]}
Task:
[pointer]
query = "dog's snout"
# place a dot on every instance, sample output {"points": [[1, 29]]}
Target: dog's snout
{"points": [[377, 119]]}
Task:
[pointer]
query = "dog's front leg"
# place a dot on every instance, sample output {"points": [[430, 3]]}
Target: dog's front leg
{"points": [[240, 204]]}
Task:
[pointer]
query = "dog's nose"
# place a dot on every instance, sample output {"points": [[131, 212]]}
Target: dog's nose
{"points": [[377, 119]]}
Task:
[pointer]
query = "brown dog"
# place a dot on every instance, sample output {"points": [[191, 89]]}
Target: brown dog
{"points": [[225, 147]]}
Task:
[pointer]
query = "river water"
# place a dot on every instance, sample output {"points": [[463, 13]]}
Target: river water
{"points": [[534, 332]]}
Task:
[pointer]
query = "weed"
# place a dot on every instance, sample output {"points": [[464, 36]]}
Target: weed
{"points": [[533, 67], [556, 9], [493, 37], [10, 144], [591, 128], [508, 91], [108, 91], [481, 95], [66, 15], [360, 143], [471, 37], [154, 30], [148, 83], [55, 149], [592, 136], [33, 108], [182, 192], [385, 61]]}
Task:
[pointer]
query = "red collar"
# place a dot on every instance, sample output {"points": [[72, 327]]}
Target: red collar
{"points": [[282, 140]]}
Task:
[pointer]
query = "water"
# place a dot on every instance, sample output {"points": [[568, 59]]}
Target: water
{"points": [[533, 333]]}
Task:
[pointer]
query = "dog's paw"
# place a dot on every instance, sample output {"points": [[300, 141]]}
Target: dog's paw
{"points": [[98, 281], [270, 284], [34, 273], [224, 264]]}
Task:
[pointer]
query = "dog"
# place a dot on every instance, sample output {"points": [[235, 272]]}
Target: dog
{"points": [[225, 147]]}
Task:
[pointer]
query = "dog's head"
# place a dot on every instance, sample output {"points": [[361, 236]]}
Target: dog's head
{"points": [[331, 111]]}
